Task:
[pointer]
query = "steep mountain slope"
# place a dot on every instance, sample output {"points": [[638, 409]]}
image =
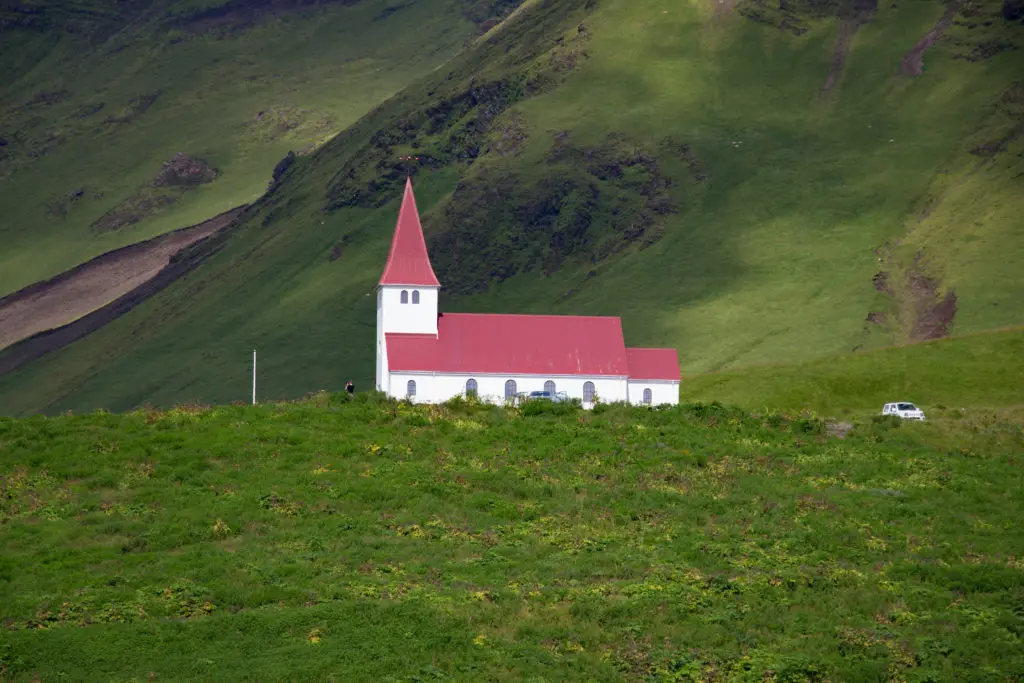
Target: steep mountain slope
{"points": [[747, 184], [96, 97]]}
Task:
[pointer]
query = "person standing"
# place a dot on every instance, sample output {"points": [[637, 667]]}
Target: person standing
{"points": [[350, 388]]}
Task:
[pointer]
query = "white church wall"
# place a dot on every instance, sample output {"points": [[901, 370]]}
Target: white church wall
{"points": [[381, 380], [408, 318], [439, 387], [662, 391], [384, 380]]}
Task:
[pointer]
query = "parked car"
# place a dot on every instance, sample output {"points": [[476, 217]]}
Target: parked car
{"points": [[557, 397], [907, 411]]}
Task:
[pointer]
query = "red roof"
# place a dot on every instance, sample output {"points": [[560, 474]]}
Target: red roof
{"points": [[408, 263], [653, 364], [514, 345]]}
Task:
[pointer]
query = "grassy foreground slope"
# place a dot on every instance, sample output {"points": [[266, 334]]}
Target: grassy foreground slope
{"points": [[971, 371], [364, 539], [95, 99], [674, 164]]}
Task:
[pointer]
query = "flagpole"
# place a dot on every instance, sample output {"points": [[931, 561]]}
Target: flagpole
{"points": [[254, 376]]}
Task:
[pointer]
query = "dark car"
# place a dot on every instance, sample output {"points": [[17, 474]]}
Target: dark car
{"points": [[557, 397]]}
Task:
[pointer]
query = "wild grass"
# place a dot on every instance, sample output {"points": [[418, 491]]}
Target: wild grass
{"points": [[357, 539]]}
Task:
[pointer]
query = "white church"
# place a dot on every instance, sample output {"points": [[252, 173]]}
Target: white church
{"points": [[429, 357]]}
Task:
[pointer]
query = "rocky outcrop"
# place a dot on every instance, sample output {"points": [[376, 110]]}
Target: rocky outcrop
{"points": [[183, 170]]}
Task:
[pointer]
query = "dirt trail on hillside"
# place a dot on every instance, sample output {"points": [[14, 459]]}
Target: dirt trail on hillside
{"points": [[77, 292], [188, 258], [913, 62], [863, 11]]}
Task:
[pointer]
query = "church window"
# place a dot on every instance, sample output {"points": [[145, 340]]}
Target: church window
{"points": [[549, 387], [410, 390], [647, 397], [471, 387], [405, 296], [415, 296], [588, 392], [510, 389]]}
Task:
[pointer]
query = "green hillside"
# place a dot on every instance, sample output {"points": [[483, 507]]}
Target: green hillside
{"points": [[745, 183], [971, 371], [95, 96], [368, 540]]}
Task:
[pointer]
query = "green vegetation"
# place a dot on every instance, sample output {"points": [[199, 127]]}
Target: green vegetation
{"points": [[92, 103], [972, 371], [679, 164], [365, 539]]}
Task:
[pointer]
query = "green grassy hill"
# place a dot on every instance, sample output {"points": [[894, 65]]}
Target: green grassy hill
{"points": [[358, 540], [970, 371], [745, 183], [96, 96]]}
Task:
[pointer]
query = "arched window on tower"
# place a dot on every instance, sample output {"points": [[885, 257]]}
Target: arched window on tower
{"points": [[510, 389], [589, 392], [470, 388], [405, 296], [647, 397], [410, 390], [415, 296], [549, 387]]}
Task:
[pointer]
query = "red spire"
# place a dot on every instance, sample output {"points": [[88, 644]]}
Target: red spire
{"points": [[408, 263]]}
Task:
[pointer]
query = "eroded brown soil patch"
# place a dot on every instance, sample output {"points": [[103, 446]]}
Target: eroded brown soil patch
{"points": [[931, 313], [85, 288], [861, 12], [921, 309], [182, 169], [913, 62]]}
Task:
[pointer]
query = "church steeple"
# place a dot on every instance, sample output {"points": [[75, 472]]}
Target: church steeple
{"points": [[408, 262], [408, 289]]}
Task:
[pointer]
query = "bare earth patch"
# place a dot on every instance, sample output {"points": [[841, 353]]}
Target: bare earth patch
{"points": [[85, 288], [913, 62], [861, 13], [922, 308]]}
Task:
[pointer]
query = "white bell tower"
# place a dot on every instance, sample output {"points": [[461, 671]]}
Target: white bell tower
{"points": [[408, 289]]}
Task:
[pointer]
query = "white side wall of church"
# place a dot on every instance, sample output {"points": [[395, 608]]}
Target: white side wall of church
{"points": [[409, 317], [384, 378], [439, 387], [662, 391]]}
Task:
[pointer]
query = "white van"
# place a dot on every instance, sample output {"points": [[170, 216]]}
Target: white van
{"points": [[908, 411]]}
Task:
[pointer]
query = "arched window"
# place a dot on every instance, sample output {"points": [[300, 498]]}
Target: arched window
{"points": [[470, 387], [405, 296], [415, 296], [647, 397], [588, 392], [410, 390], [510, 389], [549, 387]]}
